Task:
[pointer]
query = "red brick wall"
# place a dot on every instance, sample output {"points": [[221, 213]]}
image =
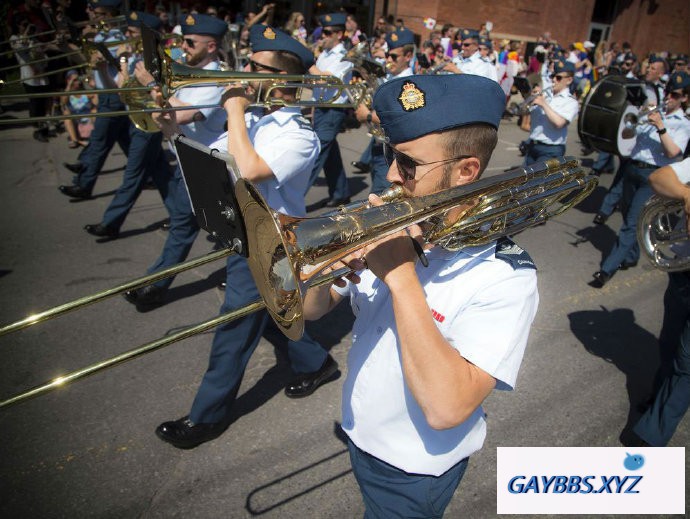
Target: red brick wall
{"points": [[667, 28]]}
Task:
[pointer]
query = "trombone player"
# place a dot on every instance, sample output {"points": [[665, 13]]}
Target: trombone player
{"points": [[202, 36], [274, 150], [109, 129], [426, 350]]}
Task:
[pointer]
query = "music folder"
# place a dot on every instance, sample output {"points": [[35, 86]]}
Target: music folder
{"points": [[210, 177]]}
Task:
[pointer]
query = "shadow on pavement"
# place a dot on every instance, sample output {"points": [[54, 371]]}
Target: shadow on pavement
{"points": [[614, 336]]}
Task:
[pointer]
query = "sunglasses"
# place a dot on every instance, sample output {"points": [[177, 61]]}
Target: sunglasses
{"points": [[407, 166], [190, 43], [675, 95], [392, 55], [257, 67], [467, 44], [326, 32], [558, 77], [628, 63]]}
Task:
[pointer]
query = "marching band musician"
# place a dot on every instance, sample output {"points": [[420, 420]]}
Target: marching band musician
{"points": [[659, 143], [202, 36], [470, 60], [400, 52], [145, 158], [551, 113], [328, 121], [108, 129], [275, 149], [426, 351], [671, 396]]}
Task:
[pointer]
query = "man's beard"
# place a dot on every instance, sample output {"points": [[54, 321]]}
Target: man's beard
{"points": [[193, 60]]}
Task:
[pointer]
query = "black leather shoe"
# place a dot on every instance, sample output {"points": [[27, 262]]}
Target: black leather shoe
{"points": [[102, 230], [337, 202], [185, 434], [361, 167], [222, 285], [146, 298], [628, 265], [75, 192], [74, 167], [600, 279], [600, 219], [307, 383]]}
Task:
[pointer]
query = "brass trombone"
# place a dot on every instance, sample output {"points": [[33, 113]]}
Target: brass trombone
{"points": [[287, 255], [313, 91], [117, 20]]}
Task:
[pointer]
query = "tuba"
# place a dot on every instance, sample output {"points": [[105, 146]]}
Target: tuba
{"points": [[662, 234]]}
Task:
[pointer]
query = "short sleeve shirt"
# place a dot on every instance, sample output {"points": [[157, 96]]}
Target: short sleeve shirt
{"points": [[682, 170], [332, 61], [477, 66], [468, 292], [286, 141], [543, 130], [208, 129], [648, 147]]}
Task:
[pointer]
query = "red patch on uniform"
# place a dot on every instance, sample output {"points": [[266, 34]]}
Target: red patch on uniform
{"points": [[439, 317]]}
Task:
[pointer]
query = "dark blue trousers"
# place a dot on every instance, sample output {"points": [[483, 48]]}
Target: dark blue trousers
{"points": [[390, 493], [672, 384], [537, 152], [233, 345], [636, 192], [183, 228], [146, 158], [379, 168], [327, 124], [614, 194], [106, 132]]}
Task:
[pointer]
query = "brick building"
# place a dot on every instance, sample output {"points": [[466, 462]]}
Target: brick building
{"points": [[649, 25]]}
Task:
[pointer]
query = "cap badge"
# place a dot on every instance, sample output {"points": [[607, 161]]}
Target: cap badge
{"points": [[411, 97], [190, 20], [394, 37], [269, 34], [679, 79], [327, 18], [133, 16]]}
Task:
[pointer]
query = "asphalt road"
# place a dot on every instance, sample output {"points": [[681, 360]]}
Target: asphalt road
{"points": [[88, 450]]}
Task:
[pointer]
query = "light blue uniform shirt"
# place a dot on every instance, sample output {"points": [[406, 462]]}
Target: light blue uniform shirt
{"points": [[477, 66], [286, 141], [111, 72], [648, 146], [331, 61], [468, 293], [207, 130], [543, 130]]}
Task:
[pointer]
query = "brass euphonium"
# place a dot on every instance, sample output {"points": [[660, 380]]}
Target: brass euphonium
{"points": [[662, 234]]}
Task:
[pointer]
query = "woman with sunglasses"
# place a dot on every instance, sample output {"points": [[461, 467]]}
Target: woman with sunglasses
{"points": [[551, 112], [660, 142]]}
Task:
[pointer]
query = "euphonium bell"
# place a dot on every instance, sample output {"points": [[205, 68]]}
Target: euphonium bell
{"points": [[662, 234]]}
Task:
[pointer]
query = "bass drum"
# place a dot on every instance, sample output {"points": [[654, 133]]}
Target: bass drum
{"points": [[609, 104]]}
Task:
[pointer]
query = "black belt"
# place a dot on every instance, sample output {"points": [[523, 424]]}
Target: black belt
{"points": [[546, 143], [643, 165]]}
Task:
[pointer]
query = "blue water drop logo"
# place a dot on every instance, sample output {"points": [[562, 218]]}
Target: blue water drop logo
{"points": [[633, 461]]}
